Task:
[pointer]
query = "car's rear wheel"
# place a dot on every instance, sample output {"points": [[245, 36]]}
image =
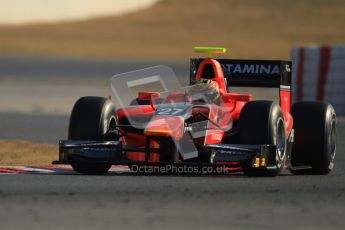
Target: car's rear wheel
{"points": [[262, 122], [91, 118], [315, 138]]}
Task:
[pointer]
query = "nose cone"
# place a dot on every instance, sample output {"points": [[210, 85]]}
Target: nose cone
{"points": [[167, 126]]}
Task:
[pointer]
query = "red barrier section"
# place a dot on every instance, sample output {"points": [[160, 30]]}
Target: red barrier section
{"points": [[318, 74]]}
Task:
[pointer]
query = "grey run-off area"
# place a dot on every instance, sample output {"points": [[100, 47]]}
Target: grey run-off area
{"points": [[51, 85], [128, 201]]}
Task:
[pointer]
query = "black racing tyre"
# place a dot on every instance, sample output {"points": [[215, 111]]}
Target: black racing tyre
{"points": [[262, 122], [90, 120], [314, 137]]}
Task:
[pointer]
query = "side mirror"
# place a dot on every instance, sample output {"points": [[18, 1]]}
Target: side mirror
{"points": [[154, 99], [152, 103]]}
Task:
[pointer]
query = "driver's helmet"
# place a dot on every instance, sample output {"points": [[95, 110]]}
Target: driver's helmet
{"points": [[206, 89]]}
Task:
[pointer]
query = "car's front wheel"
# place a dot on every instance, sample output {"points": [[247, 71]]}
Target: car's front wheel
{"points": [[91, 119], [262, 123]]}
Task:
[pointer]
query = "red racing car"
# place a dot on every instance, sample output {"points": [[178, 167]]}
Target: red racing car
{"points": [[204, 124]]}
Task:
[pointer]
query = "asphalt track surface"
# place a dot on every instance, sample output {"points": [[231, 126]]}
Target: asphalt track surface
{"points": [[131, 201], [36, 128]]}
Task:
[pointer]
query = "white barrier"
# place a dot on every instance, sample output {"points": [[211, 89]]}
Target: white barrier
{"points": [[318, 73]]}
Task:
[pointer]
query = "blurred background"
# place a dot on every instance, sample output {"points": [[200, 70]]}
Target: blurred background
{"points": [[167, 29], [54, 51]]}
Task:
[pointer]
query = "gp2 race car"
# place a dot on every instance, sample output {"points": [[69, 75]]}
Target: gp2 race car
{"points": [[258, 137]]}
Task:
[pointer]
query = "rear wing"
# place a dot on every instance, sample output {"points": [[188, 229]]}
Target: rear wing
{"points": [[254, 73], [251, 73]]}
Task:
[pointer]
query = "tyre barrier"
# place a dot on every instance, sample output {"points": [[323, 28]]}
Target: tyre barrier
{"points": [[318, 73]]}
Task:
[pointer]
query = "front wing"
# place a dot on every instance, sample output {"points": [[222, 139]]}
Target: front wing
{"points": [[112, 152]]}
